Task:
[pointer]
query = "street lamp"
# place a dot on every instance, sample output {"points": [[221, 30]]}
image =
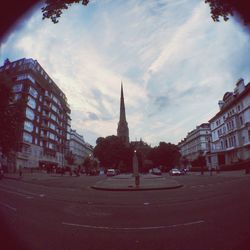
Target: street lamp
{"points": [[135, 170]]}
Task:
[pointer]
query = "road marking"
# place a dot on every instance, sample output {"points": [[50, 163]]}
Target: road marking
{"points": [[8, 206], [134, 228], [146, 203], [16, 193], [23, 193]]}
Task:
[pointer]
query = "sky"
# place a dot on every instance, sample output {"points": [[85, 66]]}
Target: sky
{"points": [[175, 64]]}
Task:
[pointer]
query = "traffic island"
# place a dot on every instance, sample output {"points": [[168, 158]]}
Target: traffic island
{"points": [[127, 183]]}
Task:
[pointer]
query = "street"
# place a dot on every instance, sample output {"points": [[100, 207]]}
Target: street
{"points": [[208, 212]]}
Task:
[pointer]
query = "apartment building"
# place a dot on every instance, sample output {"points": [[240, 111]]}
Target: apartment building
{"points": [[230, 127], [45, 129], [196, 142], [79, 148]]}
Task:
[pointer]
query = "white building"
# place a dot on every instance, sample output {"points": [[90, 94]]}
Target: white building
{"points": [[230, 142], [79, 148], [196, 142]]}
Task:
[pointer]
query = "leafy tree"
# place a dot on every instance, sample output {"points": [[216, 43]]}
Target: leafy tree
{"points": [[54, 8], [12, 115], [91, 165], [70, 158], [226, 8], [112, 152], [166, 155]]}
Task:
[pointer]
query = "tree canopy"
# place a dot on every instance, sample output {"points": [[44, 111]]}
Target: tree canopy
{"points": [[53, 9], [112, 153], [226, 8], [166, 155], [11, 116]]}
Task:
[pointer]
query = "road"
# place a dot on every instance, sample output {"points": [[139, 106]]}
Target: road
{"points": [[208, 212]]}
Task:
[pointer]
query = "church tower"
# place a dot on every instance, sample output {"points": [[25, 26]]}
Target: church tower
{"points": [[122, 130]]}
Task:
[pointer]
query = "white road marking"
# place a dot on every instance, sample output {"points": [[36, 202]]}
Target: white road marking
{"points": [[134, 228], [16, 193], [146, 203], [8, 206], [23, 193]]}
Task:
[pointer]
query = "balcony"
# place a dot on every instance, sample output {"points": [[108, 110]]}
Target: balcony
{"points": [[45, 126], [46, 106], [44, 137], [47, 98], [46, 116]]}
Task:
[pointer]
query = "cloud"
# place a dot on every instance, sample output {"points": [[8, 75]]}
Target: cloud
{"points": [[174, 62]]}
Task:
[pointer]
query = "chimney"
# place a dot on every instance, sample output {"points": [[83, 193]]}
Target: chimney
{"points": [[221, 103]]}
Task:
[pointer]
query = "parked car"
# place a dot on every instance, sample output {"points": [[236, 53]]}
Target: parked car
{"points": [[156, 171], [175, 171], [111, 172]]}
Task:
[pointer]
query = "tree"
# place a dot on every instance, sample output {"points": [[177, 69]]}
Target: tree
{"points": [[54, 8], [112, 152], [166, 155], [12, 115], [226, 8], [70, 158]]}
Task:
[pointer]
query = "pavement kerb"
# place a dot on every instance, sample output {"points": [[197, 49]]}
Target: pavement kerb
{"points": [[128, 184], [135, 188]]}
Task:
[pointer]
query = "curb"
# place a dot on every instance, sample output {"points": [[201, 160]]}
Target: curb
{"points": [[136, 189]]}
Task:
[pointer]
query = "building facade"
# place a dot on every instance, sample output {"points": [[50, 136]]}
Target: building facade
{"points": [[230, 128], [196, 142], [122, 130], [79, 148], [45, 129]]}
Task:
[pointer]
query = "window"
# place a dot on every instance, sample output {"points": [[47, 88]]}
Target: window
{"points": [[241, 120], [52, 126], [226, 145], [16, 97], [17, 88], [31, 102], [33, 92], [53, 117], [54, 108], [26, 77], [30, 114], [27, 137], [28, 126], [51, 145]]}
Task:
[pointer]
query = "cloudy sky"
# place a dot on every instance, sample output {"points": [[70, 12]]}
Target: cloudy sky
{"points": [[174, 61]]}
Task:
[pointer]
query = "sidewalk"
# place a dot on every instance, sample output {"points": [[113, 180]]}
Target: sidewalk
{"points": [[126, 182], [33, 176]]}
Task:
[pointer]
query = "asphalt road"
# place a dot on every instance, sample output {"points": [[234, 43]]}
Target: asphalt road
{"points": [[208, 212]]}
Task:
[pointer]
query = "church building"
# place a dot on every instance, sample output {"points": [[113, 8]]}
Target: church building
{"points": [[122, 130]]}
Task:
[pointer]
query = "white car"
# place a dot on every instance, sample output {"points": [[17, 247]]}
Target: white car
{"points": [[175, 171], [111, 172]]}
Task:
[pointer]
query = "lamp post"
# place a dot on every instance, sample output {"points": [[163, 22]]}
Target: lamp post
{"points": [[135, 170]]}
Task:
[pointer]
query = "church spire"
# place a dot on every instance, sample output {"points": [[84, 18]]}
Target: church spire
{"points": [[122, 130]]}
